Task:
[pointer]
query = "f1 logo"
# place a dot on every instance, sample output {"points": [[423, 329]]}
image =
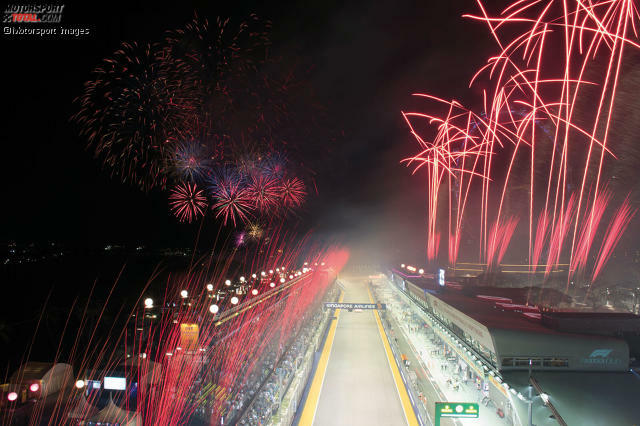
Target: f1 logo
{"points": [[600, 353]]}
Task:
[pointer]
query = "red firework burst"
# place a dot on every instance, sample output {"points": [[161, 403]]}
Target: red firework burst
{"points": [[187, 202], [232, 201], [264, 192], [292, 192]]}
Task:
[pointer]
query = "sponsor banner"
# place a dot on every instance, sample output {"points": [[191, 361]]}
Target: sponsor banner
{"points": [[350, 306], [457, 409], [189, 334]]}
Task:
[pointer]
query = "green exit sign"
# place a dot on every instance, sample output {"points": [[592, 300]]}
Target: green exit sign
{"points": [[468, 410]]}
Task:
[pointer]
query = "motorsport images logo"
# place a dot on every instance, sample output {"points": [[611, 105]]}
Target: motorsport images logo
{"points": [[38, 20], [33, 13]]}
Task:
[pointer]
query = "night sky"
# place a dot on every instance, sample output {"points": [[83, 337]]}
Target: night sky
{"points": [[367, 58]]}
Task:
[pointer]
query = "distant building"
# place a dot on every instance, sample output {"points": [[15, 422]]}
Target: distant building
{"points": [[503, 342]]}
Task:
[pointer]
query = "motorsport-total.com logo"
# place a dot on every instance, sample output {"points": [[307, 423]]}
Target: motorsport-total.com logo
{"points": [[39, 20], [33, 13]]}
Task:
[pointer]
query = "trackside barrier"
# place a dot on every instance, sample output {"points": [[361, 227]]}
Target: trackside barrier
{"points": [[291, 401], [300, 389], [283, 415]]}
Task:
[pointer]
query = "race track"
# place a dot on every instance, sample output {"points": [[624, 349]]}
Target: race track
{"points": [[358, 387]]}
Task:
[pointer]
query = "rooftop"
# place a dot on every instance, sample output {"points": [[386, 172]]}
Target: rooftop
{"points": [[515, 308]]}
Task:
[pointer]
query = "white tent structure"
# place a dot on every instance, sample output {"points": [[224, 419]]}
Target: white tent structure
{"points": [[112, 414], [51, 377], [82, 409]]}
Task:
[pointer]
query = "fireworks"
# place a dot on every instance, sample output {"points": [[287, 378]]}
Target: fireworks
{"points": [[232, 200], [187, 202], [255, 231], [206, 97], [616, 228], [131, 111], [240, 238], [499, 239], [292, 192], [540, 147], [218, 52], [274, 165], [190, 161], [264, 192]]}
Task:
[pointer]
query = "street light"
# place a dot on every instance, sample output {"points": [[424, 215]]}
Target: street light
{"points": [[421, 271], [209, 287], [227, 282], [272, 285], [148, 302], [254, 276], [12, 396], [254, 292], [80, 384], [282, 280], [241, 279], [214, 309], [184, 294], [234, 300], [34, 387]]}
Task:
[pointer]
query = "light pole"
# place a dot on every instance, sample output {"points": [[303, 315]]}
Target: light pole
{"points": [[530, 395]]}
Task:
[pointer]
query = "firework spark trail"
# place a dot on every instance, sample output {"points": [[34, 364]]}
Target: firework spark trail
{"points": [[87, 350], [440, 157], [232, 349], [587, 234], [249, 342], [499, 239], [616, 228], [534, 110], [542, 231], [187, 202], [558, 235]]}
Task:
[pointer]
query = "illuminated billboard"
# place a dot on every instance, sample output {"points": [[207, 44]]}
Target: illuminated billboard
{"points": [[189, 336], [115, 383]]}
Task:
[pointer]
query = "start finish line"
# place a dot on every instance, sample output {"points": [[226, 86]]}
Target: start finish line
{"points": [[352, 306]]}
